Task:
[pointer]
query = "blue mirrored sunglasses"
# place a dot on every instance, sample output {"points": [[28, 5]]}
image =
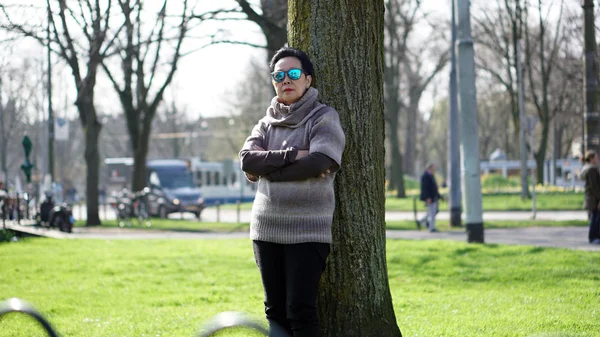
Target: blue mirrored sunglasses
{"points": [[293, 74]]}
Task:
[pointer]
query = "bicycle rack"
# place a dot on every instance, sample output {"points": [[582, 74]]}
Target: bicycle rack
{"points": [[231, 319], [220, 322], [17, 305]]}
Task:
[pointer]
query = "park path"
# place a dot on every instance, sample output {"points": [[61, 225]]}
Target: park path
{"points": [[557, 237]]}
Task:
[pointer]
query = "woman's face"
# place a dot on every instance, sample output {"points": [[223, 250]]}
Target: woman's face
{"points": [[288, 90]]}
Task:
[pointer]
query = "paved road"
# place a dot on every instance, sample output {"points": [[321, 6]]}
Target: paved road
{"points": [[560, 237], [566, 237]]}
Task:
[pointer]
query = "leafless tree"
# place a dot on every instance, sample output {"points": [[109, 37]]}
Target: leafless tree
{"points": [[271, 17], [542, 50], [408, 73], [80, 36], [399, 23], [498, 28], [19, 89], [139, 81]]}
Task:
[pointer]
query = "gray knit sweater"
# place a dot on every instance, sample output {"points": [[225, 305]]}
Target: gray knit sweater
{"points": [[291, 212]]}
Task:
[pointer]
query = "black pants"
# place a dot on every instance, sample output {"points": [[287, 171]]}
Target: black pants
{"points": [[594, 232], [290, 275]]}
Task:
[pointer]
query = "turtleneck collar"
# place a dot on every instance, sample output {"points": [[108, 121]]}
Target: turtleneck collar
{"points": [[297, 113]]}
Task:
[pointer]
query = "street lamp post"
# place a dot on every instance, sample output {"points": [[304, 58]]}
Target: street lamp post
{"points": [[468, 125], [454, 137]]}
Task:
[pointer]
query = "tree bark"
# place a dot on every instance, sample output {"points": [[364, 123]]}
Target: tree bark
{"points": [[345, 42], [92, 130], [140, 153], [139, 94]]}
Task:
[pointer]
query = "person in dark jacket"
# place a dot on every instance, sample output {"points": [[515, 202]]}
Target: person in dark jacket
{"points": [[591, 175], [431, 195]]}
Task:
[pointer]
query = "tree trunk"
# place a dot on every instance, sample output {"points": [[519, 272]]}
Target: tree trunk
{"points": [[392, 107], [410, 144], [275, 33], [139, 169], [92, 157], [345, 42], [140, 153], [540, 155], [272, 22], [396, 172]]}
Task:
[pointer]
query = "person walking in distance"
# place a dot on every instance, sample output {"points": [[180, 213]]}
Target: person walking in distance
{"points": [[591, 175], [293, 154], [430, 195]]}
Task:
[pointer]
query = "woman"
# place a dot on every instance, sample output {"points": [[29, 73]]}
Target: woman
{"points": [[293, 153], [591, 175]]}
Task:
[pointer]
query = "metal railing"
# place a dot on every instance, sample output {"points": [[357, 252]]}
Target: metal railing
{"points": [[222, 321]]}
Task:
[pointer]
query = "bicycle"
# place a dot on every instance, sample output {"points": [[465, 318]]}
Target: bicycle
{"points": [[140, 207]]}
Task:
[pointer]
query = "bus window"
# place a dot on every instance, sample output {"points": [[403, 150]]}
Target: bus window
{"points": [[216, 178], [232, 179], [199, 178]]}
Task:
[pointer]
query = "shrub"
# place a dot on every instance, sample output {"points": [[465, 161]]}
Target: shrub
{"points": [[497, 181], [6, 235]]}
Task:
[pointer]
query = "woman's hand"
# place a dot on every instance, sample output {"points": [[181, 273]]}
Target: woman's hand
{"points": [[251, 177], [301, 154], [325, 173]]}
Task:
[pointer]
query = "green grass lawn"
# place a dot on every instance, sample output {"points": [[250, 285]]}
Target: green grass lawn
{"points": [[181, 225], [170, 287], [502, 202]]}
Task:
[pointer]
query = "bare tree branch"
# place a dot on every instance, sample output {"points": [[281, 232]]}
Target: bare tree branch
{"points": [[159, 44]]}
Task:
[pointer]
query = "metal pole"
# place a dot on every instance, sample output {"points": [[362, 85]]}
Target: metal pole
{"points": [[522, 122], [471, 180], [453, 137], [50, 114], [591, 115]]}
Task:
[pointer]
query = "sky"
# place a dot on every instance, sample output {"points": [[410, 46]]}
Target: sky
{"points": [[202, 83], [206, 80]]}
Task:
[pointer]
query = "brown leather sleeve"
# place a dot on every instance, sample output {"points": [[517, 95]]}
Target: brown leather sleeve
{"points": [[259, 163], [302, 169]]}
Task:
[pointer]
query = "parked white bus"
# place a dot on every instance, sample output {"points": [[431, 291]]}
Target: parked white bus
{"points": [[222, 182]]}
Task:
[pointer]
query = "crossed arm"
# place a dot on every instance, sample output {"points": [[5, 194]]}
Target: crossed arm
{"points": [[284, 165]]}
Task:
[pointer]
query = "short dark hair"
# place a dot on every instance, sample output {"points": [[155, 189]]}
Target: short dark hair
{"points": [[307, 65]]}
